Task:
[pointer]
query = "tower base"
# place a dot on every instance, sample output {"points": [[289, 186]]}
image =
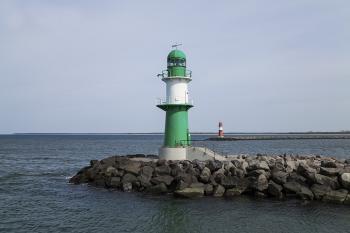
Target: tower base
{"points": [[173, 153], [189, 153]]}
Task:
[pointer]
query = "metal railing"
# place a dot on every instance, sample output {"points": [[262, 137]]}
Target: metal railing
{"points": [[161, 101], [203, 144], [164, 74]]}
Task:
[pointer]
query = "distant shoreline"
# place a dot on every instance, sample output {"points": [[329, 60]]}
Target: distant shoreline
{"points": [[196, 133]]}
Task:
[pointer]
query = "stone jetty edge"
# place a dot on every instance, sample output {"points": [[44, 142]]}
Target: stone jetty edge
{"points": [[282, 177]]}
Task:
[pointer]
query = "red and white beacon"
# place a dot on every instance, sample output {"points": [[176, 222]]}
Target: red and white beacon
{"points": [[221, 131]]}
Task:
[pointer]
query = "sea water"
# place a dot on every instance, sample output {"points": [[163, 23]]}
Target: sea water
{"points": [[35, 195]]}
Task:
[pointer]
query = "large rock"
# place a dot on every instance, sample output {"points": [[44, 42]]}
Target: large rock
{"points": [[99, 182], [119, 172], [127, 186], [81, 177], [327, 181], [335, 196], [237, 172], [208, 189], [236, 163], [111, 171], [297, 178], [193, 171], [307, 172], [259, 183], [205, 175], [144, 180], [212, 180], [345, 169], [158, 189], [219, 175], [166, 179], [198, 164], [219, 191], [257, 173], [228, 165], [244, 165], [292, 187], [220, 171], [93, 162], [187, 178], [175, 170], [275, 189], [278, 166], [259, 194], [305, 193], [180, 184], [302, 191], [114, 182], [147, 171], [290, 166], [190, 192], [129, 178], [130, 166], [214, 165], [347, 199], [304, 168], [330, 171], [184, 164], [110, 161], [256, 164], [280, 177], [328, 163], [345, 180], [163, 170], [233, 192], [319, 190], [230, 181], [137, 186], [92, 173], [197, 185], [271, 162]]}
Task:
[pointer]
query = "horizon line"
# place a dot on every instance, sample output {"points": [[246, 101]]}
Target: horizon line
{"points": [[194, 133]]}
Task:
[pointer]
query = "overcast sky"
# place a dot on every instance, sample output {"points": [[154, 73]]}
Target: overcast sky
{"points": [[90, 66]]}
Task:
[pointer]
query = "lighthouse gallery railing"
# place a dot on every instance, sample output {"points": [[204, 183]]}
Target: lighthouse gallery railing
{"points": [[164, 74]]}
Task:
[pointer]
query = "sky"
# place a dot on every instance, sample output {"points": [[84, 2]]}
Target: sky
{"points": [[90, 66]]}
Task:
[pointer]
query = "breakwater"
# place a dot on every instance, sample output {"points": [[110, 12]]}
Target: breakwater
{"points": [[280, 137], [304, 177]]}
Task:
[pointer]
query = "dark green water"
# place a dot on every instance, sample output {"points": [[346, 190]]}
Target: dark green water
{"points": [[35, 195]]}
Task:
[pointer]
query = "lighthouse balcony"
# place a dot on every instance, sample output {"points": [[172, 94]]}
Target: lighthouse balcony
{"points": [[180, 105], [165, 75], [175, 101]]}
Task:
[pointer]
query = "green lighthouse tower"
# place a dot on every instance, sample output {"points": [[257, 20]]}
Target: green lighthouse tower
{"points": [[177, 138]]}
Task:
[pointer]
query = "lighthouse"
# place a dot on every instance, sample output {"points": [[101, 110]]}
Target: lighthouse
{"points": [[221, 130], [177, 137]]}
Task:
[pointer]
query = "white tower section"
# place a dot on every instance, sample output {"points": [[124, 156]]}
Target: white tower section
{"points": [[177, 90]]}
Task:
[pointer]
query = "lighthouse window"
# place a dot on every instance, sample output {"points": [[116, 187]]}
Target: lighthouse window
{"points": [[180, 63], [177, 62]]}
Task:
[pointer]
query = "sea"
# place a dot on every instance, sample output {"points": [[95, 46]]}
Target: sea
{"points": [[35, 195]]}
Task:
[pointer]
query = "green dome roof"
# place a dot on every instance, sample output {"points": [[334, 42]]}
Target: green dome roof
{"points": [[177, 54]]}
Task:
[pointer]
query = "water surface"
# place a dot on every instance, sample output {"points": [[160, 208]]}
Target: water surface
{"points": [[35, 195]]}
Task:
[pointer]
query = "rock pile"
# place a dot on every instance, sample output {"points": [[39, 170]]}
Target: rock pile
{"points": [[307, 178]]}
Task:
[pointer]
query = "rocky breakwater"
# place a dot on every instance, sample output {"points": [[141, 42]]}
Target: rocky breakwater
{"points": [[306, 178]]}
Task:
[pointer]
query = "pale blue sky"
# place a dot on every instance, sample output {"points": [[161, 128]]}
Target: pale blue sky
{"points": [[90, 66]]}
